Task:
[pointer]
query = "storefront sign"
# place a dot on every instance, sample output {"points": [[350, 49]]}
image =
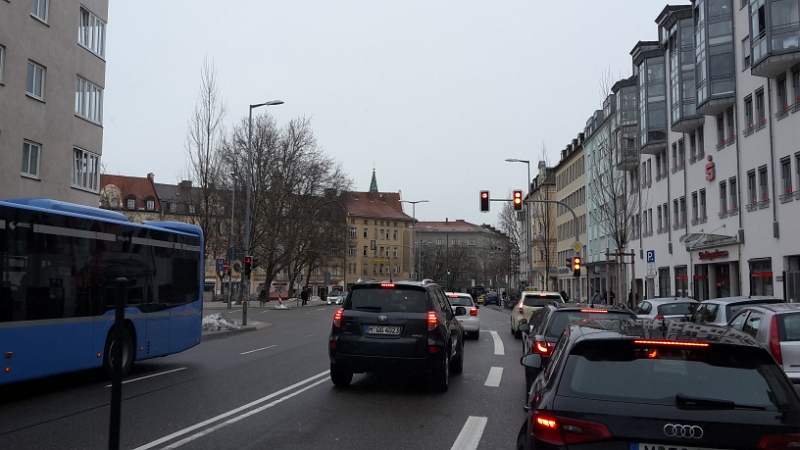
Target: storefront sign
{"points": [[710, 256], [710, 172], [380, 260]]}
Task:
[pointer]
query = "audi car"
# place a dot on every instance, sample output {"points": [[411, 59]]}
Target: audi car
{"points": [[623, 384]]}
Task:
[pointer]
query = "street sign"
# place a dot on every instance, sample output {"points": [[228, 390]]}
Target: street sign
{"points": [[651, 270], [577, 246], [225, 265], [219, 264], [651, 256]]}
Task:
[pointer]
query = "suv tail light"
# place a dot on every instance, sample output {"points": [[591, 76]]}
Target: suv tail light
{"points": [[658, 317], [562, 431], [433, 320], [544, 348], [779, 441], [775, 344], [337, 318], [473, 312]]}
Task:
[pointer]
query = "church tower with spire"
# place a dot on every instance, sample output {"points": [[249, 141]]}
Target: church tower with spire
{"points": [[373, 185]]}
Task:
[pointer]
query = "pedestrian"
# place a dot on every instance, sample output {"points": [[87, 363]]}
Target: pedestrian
{"points": [[613, 298], [304, 296], [564, 296], [597, 298]]}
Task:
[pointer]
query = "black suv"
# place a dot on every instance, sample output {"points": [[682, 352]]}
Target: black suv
{"points": [[547, 324], [397, 326], [627, 384]]}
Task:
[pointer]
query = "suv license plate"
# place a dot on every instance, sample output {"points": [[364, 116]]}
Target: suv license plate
{"points": [[635, 446], [383, 329]]}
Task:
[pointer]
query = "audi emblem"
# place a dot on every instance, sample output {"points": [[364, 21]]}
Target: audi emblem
{"points": [[382, 318], [683, 431]]}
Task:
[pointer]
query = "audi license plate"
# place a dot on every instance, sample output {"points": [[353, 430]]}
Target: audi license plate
{"points": [[635, 446], [383, 329]]}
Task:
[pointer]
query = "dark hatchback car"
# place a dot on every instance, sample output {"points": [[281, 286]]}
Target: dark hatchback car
{"points": [[548, 323], [401, 326], [491, 299], [614, 384]]}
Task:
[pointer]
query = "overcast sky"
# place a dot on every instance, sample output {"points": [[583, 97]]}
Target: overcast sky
{"points": [[435, 94]]}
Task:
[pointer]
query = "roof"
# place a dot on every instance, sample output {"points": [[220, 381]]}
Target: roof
{"points": [[648, 329], [450, 226], [183, 192], [384, 205], [139, 187]]}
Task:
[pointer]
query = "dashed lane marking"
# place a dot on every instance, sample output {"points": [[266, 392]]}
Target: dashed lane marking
{"points": [[257, 350], [470, 435], [151, 376], [495, 375], [498, 344]]}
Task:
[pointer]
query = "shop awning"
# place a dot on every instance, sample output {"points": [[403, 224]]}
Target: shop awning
{"points": [[696, 241]]}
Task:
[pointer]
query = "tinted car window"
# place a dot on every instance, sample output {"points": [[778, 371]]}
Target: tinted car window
{"points": [[743, 375], [753, 323], [697, 315], [561, 319], [738, 321], [460, 301], [790, 327], [675, 309], [713, 311], [388, 300], [643, 308], [540, 300]]}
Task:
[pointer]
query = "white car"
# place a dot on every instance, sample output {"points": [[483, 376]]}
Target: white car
{"points": [[471, 322], [336, 298]]}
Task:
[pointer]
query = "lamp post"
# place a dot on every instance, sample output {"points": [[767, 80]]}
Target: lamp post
{"points": [[527, 221], [230, 241], [414, 260], [247, 201]]}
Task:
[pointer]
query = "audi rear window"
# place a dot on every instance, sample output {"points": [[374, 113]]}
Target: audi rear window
{"points": [[540, 300], [746, 376], [676, 309], [380, 299], [460, 301], [560, 319]]}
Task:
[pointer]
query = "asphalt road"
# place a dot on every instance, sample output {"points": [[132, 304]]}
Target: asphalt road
{"points": [[269, 388]]}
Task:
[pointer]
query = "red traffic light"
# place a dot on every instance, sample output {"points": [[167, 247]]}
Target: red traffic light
{"points": [[517, 200], [484, 201]]}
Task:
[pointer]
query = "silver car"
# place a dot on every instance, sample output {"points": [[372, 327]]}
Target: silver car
{"points": [[667, 309], [336, 298], [777, 328], [719, 311], [471, 322]]}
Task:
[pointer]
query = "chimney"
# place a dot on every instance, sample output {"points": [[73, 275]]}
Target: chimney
{"points": [[185, 184], [151, 176]]}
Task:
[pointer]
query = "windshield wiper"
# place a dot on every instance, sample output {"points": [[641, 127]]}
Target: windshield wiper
{"points": [[686, 402]]}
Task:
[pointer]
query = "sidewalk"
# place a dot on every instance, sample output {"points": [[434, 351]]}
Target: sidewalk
{"points": [[291, 303], [210, 308]]}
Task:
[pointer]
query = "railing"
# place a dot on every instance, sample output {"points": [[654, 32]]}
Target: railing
{"points": [[761, 124], [782, 113], [749, 130], [730, 140]]}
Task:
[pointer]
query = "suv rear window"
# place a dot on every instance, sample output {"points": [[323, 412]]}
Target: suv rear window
{"points": [[743, 375], [540, 299], [560, 319], [377, 299], [789, 327], [676, 309], [459, 301]]}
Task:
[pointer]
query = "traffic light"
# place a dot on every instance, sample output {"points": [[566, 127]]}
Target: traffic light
{"points": [[248, 265], [484, 201], [517, 200], [576, 266]]}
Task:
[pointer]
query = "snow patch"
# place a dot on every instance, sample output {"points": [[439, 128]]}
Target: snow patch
{"points": [[216, 322]]}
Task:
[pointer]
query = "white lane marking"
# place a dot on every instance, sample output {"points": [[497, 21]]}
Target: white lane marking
{"points": [[498, 344], [495, 375], [243, 416], [229, 413], [257, 350], [470, 435], [266, 310], [150, 376]]}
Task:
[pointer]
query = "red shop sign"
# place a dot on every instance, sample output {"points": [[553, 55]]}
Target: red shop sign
{"points": [[710, 256]]}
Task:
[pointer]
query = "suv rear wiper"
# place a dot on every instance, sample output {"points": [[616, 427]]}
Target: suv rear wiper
{"points": [[686, 402], [369, 308]]}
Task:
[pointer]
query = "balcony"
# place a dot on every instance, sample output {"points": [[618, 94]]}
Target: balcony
{"points": [[775, 51], [628, 158], [688, 123], [715, 105]]}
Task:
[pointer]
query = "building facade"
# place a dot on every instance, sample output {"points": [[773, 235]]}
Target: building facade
{"points": [[52, 75], [544, 228], [570, 176]]}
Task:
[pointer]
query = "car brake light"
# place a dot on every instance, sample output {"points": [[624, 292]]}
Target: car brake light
{"points": [[672, 343], [387, 285], [473, 312], [433, 320], [453, 296], [658, 317], [775, 341], [337, 318], [521, 308], [779, 441], [544, 348], [563, 431], [601, 311]]}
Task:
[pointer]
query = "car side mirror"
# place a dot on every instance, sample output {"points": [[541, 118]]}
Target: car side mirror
{"points": [[524, 327], [534, 361], [461, 311]]}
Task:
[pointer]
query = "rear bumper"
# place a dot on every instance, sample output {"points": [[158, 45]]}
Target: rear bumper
{"points": [[471, 325], [794, 377], [363, 364]]}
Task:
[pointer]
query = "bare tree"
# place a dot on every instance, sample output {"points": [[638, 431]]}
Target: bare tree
{"points": [[205, 135], [544, 226]]}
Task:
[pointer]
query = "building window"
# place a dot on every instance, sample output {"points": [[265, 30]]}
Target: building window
{"points": [[751, 187], [472, 242], [192, 209], [796, 84], [383, 235], [151, 204], [762, 182], [456, 242], [2, 60], [660, 227], [365, 250], [760, 114], [681, 282], [703, 210], [786, 175], [701, 145], [30, 158], [676, 212], [663, 282], [173, 207], [692, 147], [89, 100], [366, 231], [39, 9], [745, 52], [92, 33], [86, 170], [761, 277], [681, 153], [394, 252], [353, 232], [352, 251], [683, 209], [35, 82], [130, 203], [439, 242], [783, 101], [731, 123], [335, 271], [723, 196], [734, 193], [721, 128], [395, 235], [695, 210], [748, 112]]}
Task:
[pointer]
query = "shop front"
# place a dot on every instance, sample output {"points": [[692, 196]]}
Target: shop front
{"points": [[715, 275]]}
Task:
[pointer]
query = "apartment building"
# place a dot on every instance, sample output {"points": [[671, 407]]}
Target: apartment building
{"points": [[52, 75], [570, 176], [544, 229]]}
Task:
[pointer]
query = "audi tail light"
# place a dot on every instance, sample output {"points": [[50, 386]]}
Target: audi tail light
{"points": [[473, 312], [433, 320], [337, 318], [562, 431], [779, 441], [775, 340]]}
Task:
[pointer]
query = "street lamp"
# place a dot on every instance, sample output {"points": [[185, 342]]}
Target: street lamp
{"points": [[414, 233], [247, 201], [527, 219]]}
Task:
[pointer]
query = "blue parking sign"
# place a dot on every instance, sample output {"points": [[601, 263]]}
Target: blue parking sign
{"points": [[651, 256], [220, 262]]}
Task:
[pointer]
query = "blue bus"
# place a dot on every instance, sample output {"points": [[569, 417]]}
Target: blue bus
{"points": [[58, 266]]}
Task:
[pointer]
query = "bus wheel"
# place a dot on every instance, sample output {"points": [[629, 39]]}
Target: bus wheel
{"points": [[128, 353]]}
